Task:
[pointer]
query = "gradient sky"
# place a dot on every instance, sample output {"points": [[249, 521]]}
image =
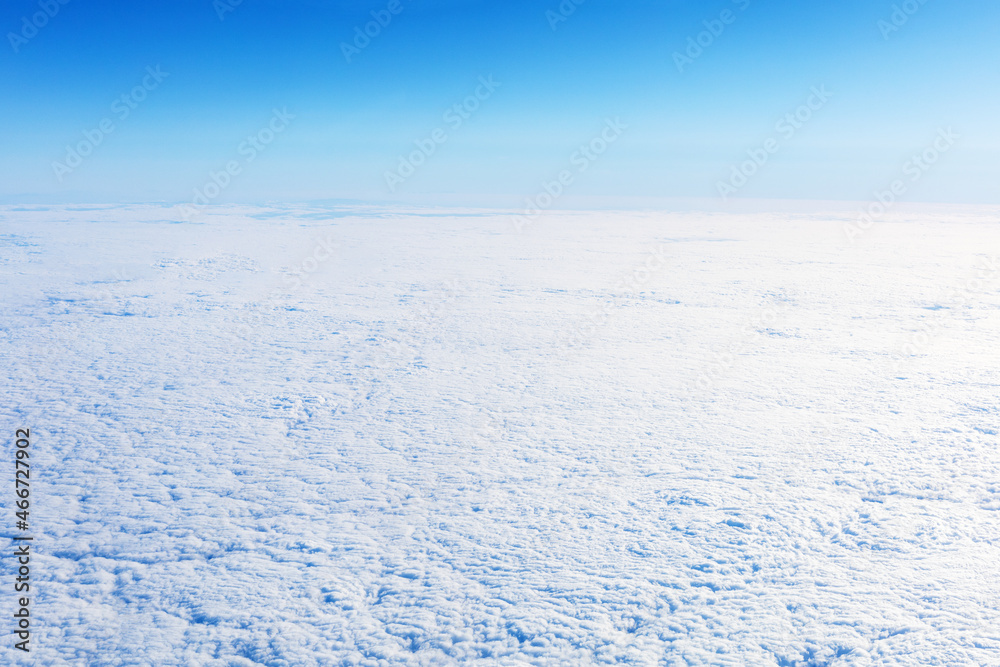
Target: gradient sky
{"points": [[685, 130]]}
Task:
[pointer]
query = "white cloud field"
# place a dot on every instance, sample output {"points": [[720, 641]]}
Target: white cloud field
{"points": [[639, 437]]}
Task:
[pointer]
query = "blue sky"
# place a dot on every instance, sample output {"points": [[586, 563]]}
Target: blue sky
{"points": [[686, 128]]}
